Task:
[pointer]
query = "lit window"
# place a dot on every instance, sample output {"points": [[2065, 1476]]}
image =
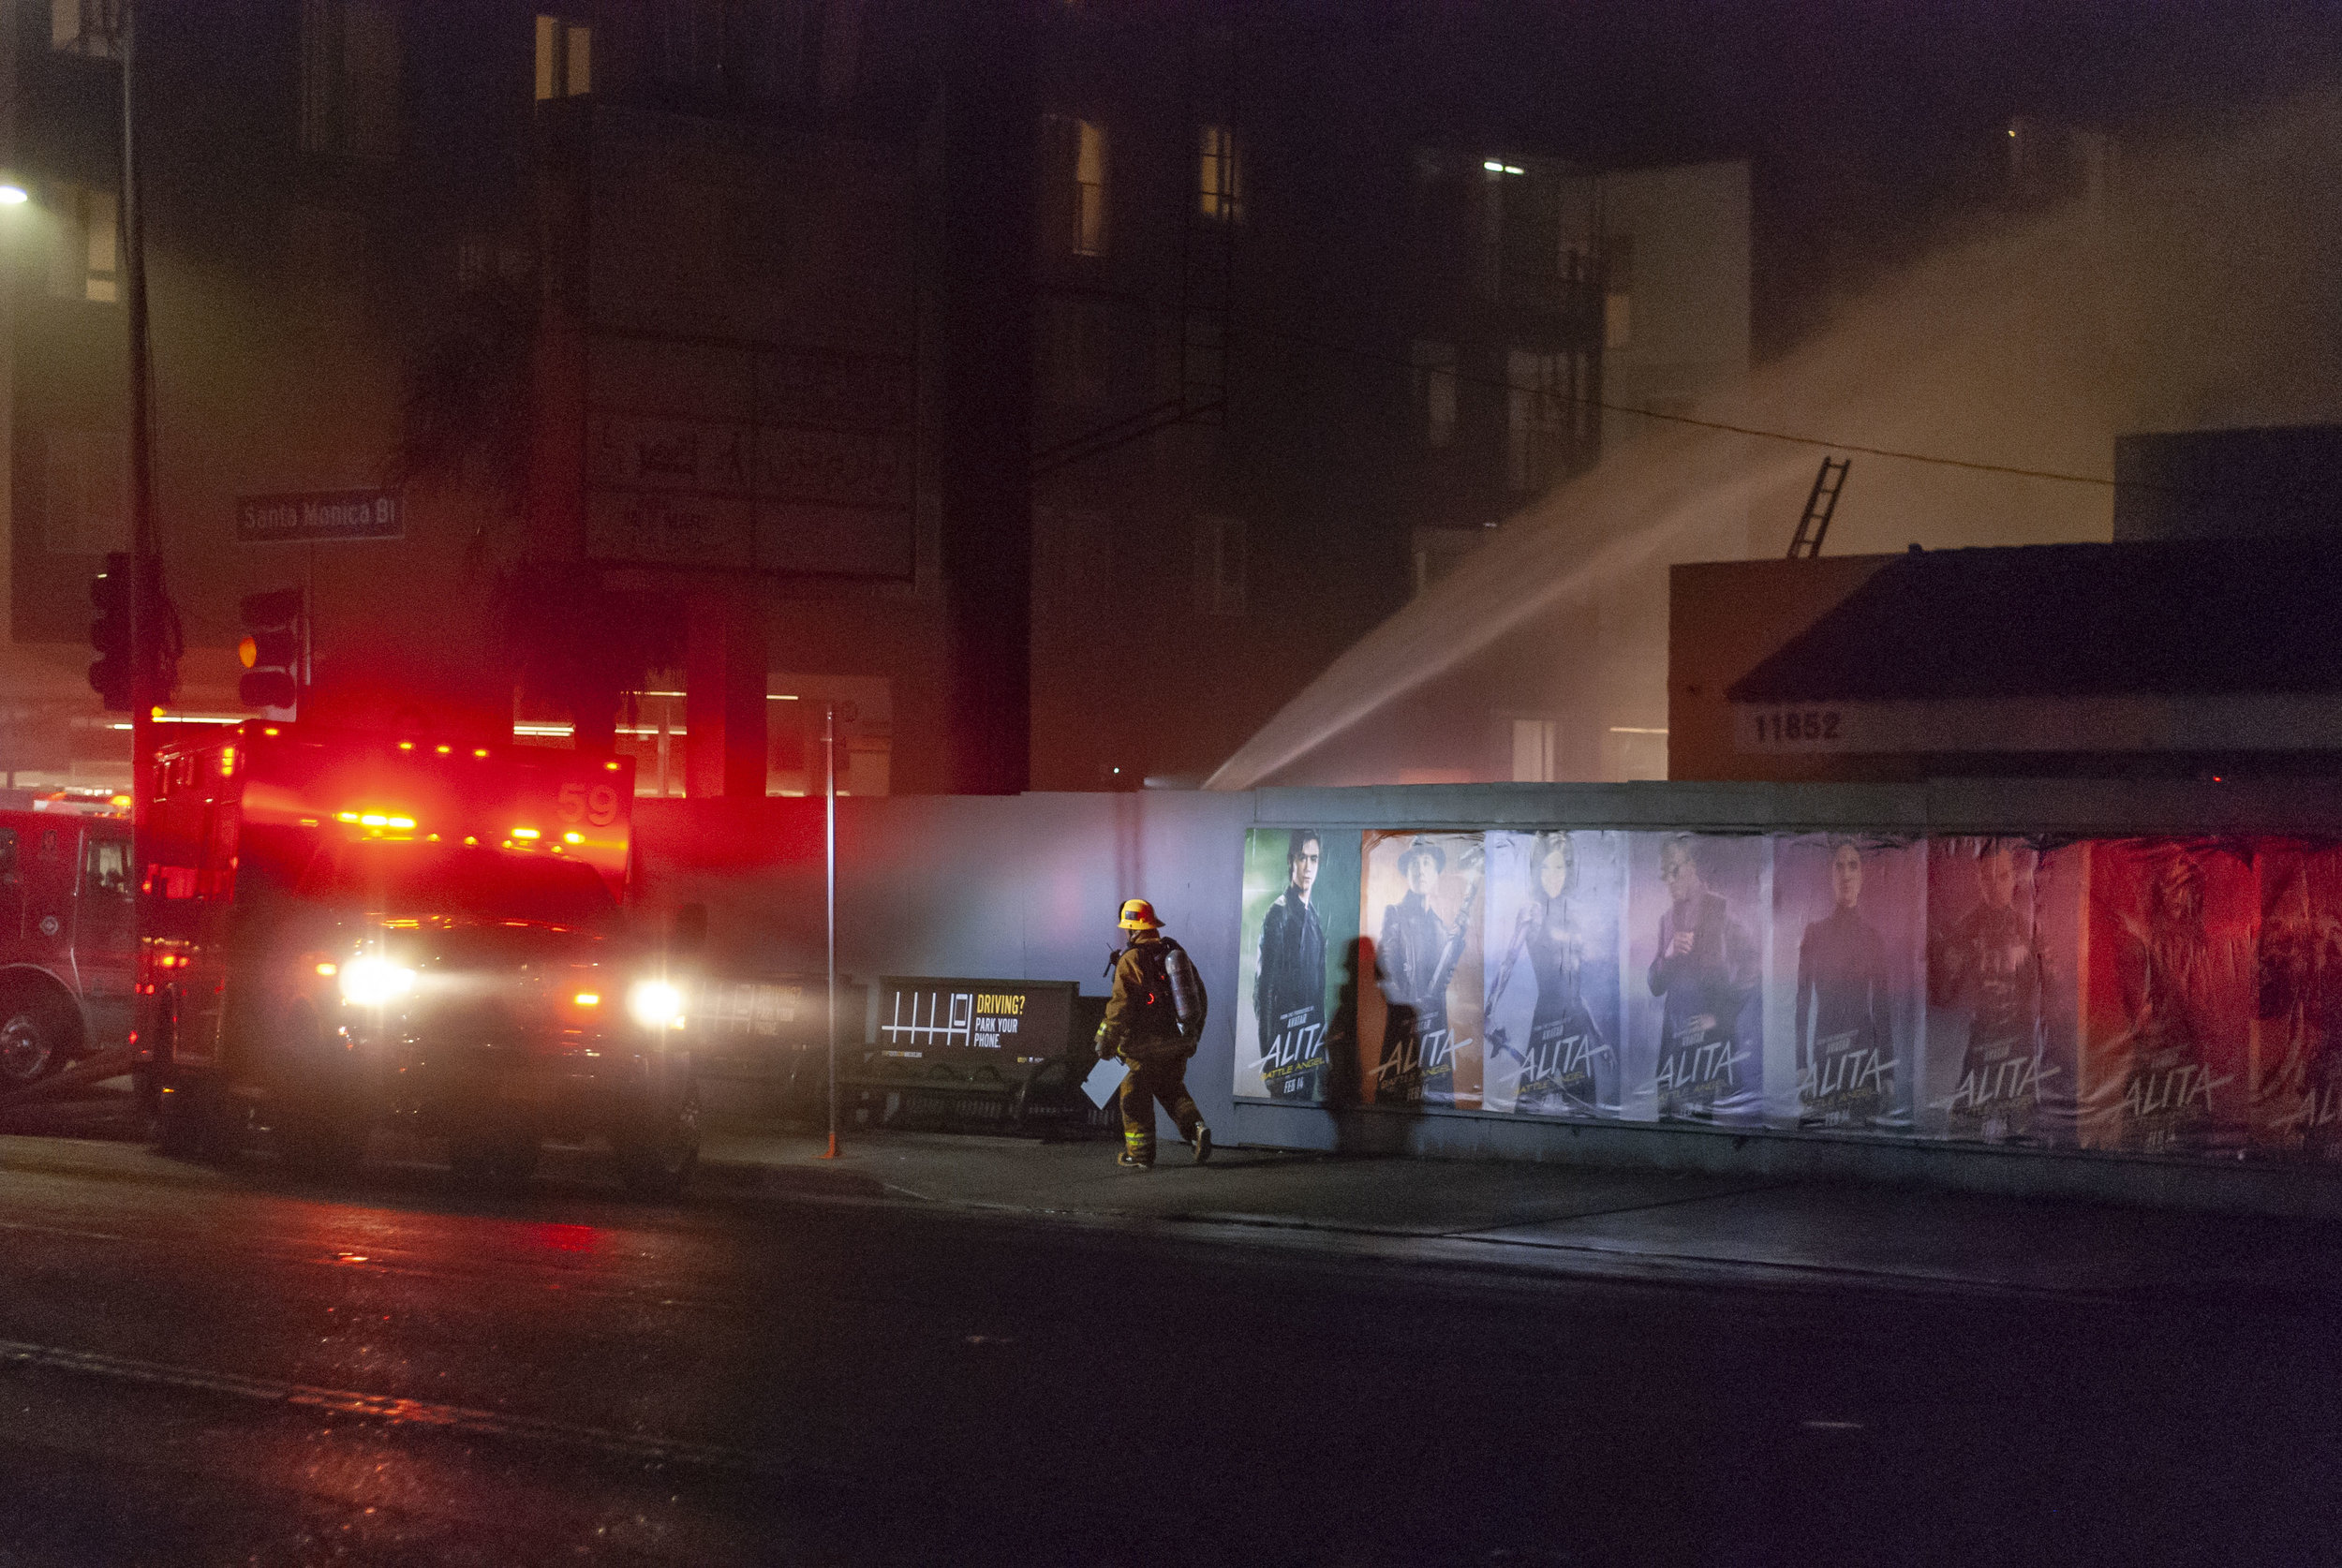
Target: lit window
{"points": [[87, 261], [564, 58], [1089, 188], [1435, 392], [1618, 301], [90, 27], [1219, 589], [1532, 751], [1219, 181], [350, 78]]}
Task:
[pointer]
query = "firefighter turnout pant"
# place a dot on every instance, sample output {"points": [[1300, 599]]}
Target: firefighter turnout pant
{"points": [[1158, 1074]]}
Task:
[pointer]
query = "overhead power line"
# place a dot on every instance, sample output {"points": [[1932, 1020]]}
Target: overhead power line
{"points": [[1356, 351]]}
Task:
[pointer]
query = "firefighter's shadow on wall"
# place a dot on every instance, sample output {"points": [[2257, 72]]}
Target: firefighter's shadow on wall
{"points": [[1362, 1020]]}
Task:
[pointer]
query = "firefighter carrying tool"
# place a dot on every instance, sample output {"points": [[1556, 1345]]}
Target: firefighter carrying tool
{"points": [[1152, 1022], [341, 929]]}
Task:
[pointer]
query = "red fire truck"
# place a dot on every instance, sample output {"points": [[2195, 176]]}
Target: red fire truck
{"points": [[339, 929], [65, 957]]}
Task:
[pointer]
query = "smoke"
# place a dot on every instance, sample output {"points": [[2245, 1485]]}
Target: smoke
{"points": [[2183, 286]]}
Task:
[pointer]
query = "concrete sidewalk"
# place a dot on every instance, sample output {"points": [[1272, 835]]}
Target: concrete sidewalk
{"points": [[1650, 1225]]}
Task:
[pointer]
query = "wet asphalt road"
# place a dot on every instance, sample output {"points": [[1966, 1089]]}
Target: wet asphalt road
{"points": [[203, 1366]]}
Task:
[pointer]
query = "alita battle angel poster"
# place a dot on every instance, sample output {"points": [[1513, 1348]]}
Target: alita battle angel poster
{"points": [[1419, 1023], [1552, 1039], [2297, 1046], [1843, 1035], [2169, 993], [2003, 923], [1300, 943], [1699, 911]]}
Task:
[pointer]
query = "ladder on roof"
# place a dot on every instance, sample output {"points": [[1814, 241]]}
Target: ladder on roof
{"points": [[1819, 504]]}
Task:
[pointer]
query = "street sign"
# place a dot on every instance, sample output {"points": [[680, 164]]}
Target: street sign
{"points": [[320, 515]]}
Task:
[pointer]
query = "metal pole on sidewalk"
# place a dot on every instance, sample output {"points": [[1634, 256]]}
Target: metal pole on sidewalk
{"points": [[148, 686], [829, 840]]}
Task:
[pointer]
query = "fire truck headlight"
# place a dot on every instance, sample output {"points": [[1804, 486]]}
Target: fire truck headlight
{"points": [[656, 1004], [370, 981]]}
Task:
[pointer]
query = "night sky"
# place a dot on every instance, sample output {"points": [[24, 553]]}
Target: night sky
{"points": [[1869, 123]]}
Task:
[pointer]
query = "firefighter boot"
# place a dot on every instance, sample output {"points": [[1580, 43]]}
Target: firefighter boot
{"points": [[1138, 1124]]}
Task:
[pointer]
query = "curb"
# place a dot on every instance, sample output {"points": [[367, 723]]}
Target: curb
{"points": [[1450, 1251]]}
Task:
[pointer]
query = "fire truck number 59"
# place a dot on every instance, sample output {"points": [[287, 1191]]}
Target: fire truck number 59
{"points": [[598, 806]]}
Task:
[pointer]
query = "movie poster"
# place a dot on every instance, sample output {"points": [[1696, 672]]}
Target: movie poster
{"points": [[1698, 917], [1300, 913], [2296, 1104], [1420, 1026], [1987, 1057], [2171, 989], [1843, 1015], [1553, 1045]]}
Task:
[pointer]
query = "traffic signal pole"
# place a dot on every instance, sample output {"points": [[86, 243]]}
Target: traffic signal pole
{"points": [[148, 684]]}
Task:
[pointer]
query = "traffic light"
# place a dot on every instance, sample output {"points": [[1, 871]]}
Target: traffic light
{"points": [[271, 649], [109, 633]]}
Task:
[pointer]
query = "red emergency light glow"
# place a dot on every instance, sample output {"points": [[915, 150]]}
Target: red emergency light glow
{"points": [[377, 820]]}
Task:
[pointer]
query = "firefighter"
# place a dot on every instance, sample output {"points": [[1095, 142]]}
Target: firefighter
{"points": [[1152, 1024]]}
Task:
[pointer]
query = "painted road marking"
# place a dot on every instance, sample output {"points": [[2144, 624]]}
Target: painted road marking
{"points": [[389, 1408]]}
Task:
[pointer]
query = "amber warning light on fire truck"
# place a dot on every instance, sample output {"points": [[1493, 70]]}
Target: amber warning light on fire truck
{"points": [[521, 800]]}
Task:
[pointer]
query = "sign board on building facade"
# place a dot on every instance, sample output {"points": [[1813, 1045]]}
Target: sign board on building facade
{"points": [[317, 515], [750, 380], [747, 458]]}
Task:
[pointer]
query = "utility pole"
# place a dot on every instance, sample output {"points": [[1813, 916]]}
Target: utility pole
{"points": [[150, 682]]}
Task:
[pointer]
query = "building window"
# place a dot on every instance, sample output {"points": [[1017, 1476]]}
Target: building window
{"points": [[83, 478], [349, 76], [1077, 166], [564, 58], [87, 261], [1534, 742], [1435, 392], [1219, 181], [1078, 358], [1493, 175], [1089, 188], [1538, 403], [1220, 577], [1618, 322], [86, 27]]}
